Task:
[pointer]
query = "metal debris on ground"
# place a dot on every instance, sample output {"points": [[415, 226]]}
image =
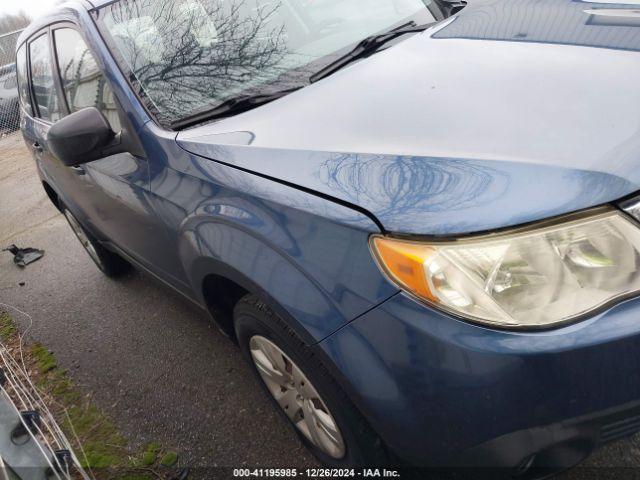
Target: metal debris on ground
{"points": [[24, 256], [32, 445]]}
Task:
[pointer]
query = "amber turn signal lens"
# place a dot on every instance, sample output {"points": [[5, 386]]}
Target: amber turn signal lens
{"points": [[539, 276], [404, 263]]}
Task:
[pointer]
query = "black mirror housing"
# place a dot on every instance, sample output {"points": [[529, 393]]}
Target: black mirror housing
{"points": [[81, 137], [451, 7]]}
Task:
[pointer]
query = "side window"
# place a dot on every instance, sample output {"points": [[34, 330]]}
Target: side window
{"points": [[83, 83], [44, 90], [23, 82]]}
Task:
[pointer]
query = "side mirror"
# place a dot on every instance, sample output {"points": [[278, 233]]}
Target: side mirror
{"points": [[81, 137], [452, 7]]}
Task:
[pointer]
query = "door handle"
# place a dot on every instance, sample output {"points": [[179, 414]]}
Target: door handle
{"points": [[37, 147], [78, 170]]}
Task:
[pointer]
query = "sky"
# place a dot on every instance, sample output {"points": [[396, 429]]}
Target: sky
{"points": [[33, 8]]}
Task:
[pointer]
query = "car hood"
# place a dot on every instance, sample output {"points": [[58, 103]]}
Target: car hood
{"points": [[509, 112]]}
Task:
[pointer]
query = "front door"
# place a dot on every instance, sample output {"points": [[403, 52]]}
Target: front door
{"points": [[107, 195], [111, 192]]}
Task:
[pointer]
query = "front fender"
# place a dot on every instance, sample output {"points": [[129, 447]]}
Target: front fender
{"points": [[307, 254], [291, 294]]}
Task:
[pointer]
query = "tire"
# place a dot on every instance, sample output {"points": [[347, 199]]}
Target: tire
{"points": [[256, 326], [110, 263]]}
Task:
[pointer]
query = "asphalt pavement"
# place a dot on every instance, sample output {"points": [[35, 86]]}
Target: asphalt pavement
{"points": [[154, 363]]}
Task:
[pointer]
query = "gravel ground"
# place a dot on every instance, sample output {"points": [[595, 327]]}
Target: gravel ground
{"points": [[153, 362]]}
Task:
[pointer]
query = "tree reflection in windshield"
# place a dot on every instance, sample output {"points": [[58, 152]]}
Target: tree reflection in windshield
{"points": [[187, 56], [184, 52]]}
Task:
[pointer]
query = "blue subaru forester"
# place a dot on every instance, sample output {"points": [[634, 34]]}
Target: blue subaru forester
{"points": [[415, 217]]}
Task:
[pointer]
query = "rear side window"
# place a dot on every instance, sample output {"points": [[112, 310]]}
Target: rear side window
{"points": [[83, 83], [23, 83], [44, 91]]}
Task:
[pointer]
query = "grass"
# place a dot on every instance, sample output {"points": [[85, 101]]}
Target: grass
{"points": [[98, 444], [169, 459], [44, 358], [150, 454], [7, 327]]}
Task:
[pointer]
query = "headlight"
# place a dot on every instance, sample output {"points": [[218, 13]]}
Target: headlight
{"points": [[534, 277]]}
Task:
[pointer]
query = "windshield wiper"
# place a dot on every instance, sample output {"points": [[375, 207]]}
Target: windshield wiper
{"points": [[231, 107], [366, 47]]}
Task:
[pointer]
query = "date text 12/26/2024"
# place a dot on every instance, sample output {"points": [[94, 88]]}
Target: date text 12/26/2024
{"points": [[313, 473]]}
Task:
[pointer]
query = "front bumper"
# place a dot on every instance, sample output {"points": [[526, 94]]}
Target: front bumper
{"points": [[446, 393]]}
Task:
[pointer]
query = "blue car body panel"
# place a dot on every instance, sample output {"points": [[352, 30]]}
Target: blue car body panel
{"points": [[443, 133], [451, 386], [478, 123], [303, 251], [183, 217]]}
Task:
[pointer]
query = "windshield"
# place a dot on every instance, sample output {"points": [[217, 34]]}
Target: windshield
{"points": [[188, 56]]}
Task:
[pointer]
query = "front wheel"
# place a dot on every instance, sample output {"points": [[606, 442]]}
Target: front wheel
{"points": [[111, 264], [303, 391]]}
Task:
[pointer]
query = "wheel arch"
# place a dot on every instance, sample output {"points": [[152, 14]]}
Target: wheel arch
{"points": [[222, 286], [52, 194]]}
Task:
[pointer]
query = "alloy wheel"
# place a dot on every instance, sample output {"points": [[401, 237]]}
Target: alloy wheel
{"points": [[297, 397]]}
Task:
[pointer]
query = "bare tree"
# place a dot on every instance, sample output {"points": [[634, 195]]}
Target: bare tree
{"points": [[8, 24]]}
